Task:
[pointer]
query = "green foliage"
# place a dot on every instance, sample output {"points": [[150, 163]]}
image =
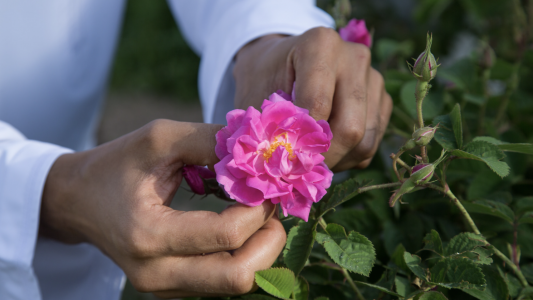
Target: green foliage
{"points": [[486, 152], [496, 286], [431, 296], [299, 244], [278, 282], [353, 251], [457, 124], [445, 134], [301, 289], [433, 243], [458, 273], [489, 207]]}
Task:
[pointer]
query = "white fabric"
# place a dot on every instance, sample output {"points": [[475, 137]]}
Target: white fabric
{"points": [[55, 57]]}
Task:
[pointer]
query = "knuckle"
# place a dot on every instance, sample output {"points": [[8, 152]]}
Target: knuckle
{"points": [[351, 134], [363, 55], [323, 36], [137, 246], [232, 236], [240, 280]]}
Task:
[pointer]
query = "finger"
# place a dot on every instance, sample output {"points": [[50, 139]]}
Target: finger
{"points": [[218, 273], [349, 115], [378, 112], [197, 232], [177, 143], [314, 62]]}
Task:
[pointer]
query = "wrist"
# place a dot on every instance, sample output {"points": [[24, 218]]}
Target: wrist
{"points": [[58, 201]]}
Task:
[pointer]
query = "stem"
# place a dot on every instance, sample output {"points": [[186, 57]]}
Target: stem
{"points": [[378, 186], [422, 88], [466, 215], [352, 284], [323, 224], [394, 161]]}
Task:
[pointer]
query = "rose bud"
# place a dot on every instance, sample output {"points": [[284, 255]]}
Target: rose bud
{"points": [[356, 32], [425, 67], [196, 176], [424, 135]]}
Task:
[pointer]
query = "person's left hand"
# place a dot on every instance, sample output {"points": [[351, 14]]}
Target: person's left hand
{"points": [[333, 80]]}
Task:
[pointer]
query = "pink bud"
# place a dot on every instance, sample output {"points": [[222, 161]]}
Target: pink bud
{"points": [[356, 32], [194, 175]]}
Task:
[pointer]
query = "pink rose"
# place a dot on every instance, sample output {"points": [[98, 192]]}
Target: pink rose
{"points": [[274, 155], [356, 32], [194, 175]]}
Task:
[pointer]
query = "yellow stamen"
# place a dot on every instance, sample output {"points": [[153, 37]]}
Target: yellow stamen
{"points": [[267, 153]]}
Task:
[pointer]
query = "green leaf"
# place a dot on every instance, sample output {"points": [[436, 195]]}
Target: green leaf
{"points": [[300, 241], [301, 289], [341, 193], [527, 270], [476, 99], [433, 242], [256, 297], [380, 288], [525, 293], [414, 263], [458, 273], [278, 282], [397, 258], [527, 218], [403, 286], [519, 147], [432, 296], [489, 207], [523, 205], [486, 152], [465, 242], [444, 134], [513, 284], [432, 105], [353, 252], [457, 125], [496, 286]]}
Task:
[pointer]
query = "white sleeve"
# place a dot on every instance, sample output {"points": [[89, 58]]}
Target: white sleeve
{"points": [[24, 166], [216, 30]]}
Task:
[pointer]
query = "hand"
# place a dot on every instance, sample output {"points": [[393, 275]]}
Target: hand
{"points": [[116, 196], [334, 81]]}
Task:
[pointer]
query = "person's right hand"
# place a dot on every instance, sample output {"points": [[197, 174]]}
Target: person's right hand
{"points": [[117, 197]]}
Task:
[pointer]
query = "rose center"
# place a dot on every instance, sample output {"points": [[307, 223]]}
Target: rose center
{"points": [[267, 152]]}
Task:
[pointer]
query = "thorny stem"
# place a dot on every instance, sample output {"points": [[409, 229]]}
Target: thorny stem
{"points": [[466, 215], [323, 224], [378, 186]]}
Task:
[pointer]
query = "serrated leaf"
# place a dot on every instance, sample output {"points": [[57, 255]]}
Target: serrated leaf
{"points": [[444, 134], [414, 263], [457, 125], [458, 273], [509, 147], [397, 258], [486, 152], [496, 286], [433, 295], [380, 288], [341, 193], [300, 241], [489, 207], [465, 242], [353, 252], [523, 205], [278, 282], [433, 242], [301, 289], [513, 284]]}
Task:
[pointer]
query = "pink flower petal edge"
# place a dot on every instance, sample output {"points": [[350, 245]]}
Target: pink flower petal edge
{"points": [[356, 32], [193, 176]]}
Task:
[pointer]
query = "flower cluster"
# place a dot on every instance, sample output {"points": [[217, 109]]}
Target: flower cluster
{"points": [[274, 155]]}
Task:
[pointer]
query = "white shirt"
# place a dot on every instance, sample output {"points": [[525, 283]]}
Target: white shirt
{"points": [[55, 58]]}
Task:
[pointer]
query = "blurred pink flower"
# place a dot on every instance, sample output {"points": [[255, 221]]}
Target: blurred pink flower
{"points": [[356, 32], [274, 155], [194, 174]]}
